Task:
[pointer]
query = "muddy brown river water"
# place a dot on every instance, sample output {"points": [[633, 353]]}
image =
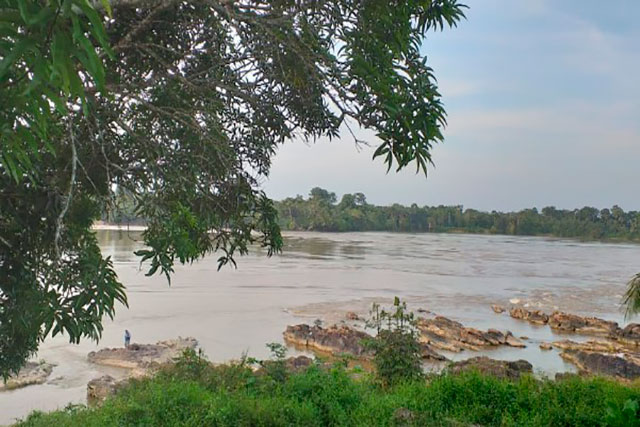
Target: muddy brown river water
{"points": [[323, 275]]}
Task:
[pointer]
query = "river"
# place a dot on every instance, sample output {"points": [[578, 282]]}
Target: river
{"points": [[323, 275]]}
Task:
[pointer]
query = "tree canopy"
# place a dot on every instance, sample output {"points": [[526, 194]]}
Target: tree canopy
{"points": [[180, 105], [320, 212]]}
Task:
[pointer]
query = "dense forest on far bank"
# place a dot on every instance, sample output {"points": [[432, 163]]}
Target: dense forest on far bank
{"points": [[321, 211]]}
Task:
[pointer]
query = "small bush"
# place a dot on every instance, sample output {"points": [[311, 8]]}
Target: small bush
{"points": [[397, 350], [627, 415], [276, 368]]}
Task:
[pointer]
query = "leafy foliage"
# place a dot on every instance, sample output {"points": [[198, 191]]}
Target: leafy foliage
{"points": [[231, 395], [180, 105], [276, 368], [397, 356], [49, 53], [52, 280], [627, 415], [632, 297]]}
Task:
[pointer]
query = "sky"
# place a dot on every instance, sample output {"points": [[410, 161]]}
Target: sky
{"points": [[543, 103]]}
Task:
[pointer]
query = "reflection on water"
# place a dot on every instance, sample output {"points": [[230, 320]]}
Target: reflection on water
{"points": [[324, 275]]}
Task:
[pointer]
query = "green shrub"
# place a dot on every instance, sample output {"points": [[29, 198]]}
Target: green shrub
{"points": [[627, 415], [397, 350], [195, 393], [276, 368]]}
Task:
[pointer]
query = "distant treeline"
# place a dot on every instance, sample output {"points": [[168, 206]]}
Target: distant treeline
{"points": [[322, 212]]}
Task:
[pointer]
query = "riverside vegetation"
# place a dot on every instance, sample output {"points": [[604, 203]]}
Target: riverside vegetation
{"points": [[197, 393], [321, 211], [194, 392]]}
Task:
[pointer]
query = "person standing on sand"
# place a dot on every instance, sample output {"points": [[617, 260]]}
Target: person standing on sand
{"points": [[127, 338]]}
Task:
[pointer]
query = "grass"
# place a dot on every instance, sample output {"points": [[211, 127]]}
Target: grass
{"points": [[194, 393]]}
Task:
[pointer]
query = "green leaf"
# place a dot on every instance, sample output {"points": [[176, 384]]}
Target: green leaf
{"points": [[20, 48], [107, 7], [11, 166], [96, 28], [57, 101], [23, 7], [60, 51], [91, 61]]}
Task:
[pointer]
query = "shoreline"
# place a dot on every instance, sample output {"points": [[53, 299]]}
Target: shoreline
{"points": [[550, 237], [99, 226]]}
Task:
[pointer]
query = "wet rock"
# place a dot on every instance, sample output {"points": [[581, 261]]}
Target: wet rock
{"points": [[592, 346], [446, 334], [563, 376], [497, 336], [546, 346], [625, 368], [493, 367], [428, 353], [537, 317], [512, 341], [298, 363], [518, 313], [573, 323], [352, 316], [524, 337], [497, 308], [423, 310], [566, 322], [436, 341], [31, 373], [333, 340], [98, 389], [292, 364], [630, 335], [143, 356]]}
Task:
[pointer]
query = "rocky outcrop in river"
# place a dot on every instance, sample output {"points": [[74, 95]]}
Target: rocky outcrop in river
{"points": [[446, 334], [141, 359], [615, 354], [31, 373], [536, 316], [99, 389], [428, 353], [439, 333], [142, 356], [497, 308], [583, 325], [340, 339], [601, 357], [498, 368], [292, 364], [630, 335], [333, 340], [622, 367], [597, 346], [566, 322]]}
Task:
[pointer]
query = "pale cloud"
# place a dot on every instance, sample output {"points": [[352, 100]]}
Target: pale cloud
{"points": [[543, 102], [590, 121], [459, 88]]}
